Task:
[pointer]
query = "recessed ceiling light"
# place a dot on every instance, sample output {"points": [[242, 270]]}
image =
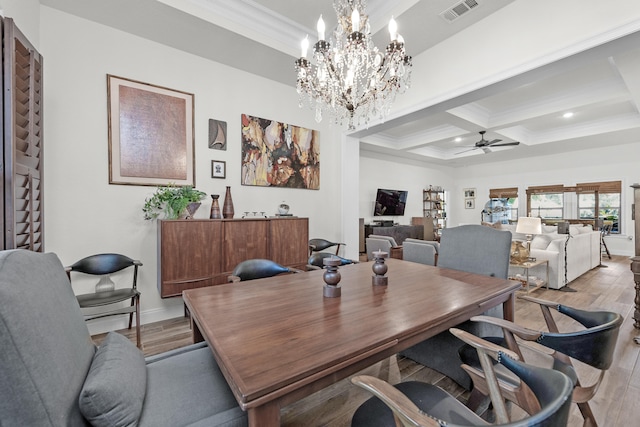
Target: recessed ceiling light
{"points": [[458, 139], [567, 115]]}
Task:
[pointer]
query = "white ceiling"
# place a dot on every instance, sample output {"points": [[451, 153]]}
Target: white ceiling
{"points": [[601, 86]]}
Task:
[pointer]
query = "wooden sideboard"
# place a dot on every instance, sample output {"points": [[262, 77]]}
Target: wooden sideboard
{"points": [[195, 253]]}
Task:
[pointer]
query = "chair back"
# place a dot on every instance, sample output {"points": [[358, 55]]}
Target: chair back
{"points": [[475, 249], [553, 390], [422, 253], [258, 269], [101, 264], [316, 259], [43, 368], [595, 345], [374, 245], [317, 245]]}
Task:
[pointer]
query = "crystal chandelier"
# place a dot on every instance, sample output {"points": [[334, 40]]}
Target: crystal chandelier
{"points": [[351, 79]]}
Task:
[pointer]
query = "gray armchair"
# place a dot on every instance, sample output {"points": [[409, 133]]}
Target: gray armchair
{"points": [[420, 251], [52, 374], [386, 244], [475, 249]]}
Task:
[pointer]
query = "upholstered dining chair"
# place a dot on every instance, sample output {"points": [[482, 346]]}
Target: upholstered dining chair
{"points": [[474, 249], [258, 268], [318, 245], [316, 260], [593, 345], [416, 403], [106, 294]]}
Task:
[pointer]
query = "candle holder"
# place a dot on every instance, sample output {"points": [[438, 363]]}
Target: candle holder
{"points": [[331, 278], [379, 269]]}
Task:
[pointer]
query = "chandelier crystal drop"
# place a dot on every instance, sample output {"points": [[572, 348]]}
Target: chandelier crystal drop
{"points": [[351, 79]]}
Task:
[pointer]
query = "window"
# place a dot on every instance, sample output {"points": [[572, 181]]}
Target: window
{"points": [[547, 205], [608, 203], [509, 203]]}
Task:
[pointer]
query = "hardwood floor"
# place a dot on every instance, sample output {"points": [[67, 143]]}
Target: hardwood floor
{"points": [[615, 404]]}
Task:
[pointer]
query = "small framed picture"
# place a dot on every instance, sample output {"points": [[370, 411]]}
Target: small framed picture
{"points": [[469, 192], [218, 169], [470, 203]]}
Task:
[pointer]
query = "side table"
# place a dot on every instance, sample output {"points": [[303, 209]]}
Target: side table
{"points": [[526, 266]]}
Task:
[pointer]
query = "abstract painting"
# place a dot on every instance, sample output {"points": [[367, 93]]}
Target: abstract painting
{"points": [[150, 134], [277, 154]]}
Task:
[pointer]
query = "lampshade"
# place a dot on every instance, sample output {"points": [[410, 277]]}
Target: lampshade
{"points": [[529, 225]]}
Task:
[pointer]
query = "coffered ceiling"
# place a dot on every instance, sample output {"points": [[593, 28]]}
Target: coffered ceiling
{"points": [[600, 87]]}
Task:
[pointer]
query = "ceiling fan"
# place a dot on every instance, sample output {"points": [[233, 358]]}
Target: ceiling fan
{"points": [[484, 144]]}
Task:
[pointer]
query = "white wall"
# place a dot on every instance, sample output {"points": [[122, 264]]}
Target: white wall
{"points": [[86, 215], [378, 171], [603, 164], [26, 14]]}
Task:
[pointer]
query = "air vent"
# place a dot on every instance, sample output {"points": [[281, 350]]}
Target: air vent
{"points": [[458, 9]]}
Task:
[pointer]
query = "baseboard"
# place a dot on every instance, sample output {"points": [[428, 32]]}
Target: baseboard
{"points": [[114, 323]]}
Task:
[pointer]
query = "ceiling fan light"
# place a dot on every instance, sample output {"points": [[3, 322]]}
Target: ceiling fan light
{"points": [[568, 115]]}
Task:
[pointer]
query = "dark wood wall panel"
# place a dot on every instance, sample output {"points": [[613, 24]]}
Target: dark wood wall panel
{"points": [[244, 239], [287, 240]]}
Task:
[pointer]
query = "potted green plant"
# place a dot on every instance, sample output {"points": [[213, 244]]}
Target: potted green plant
{"points": [[172, 201]]}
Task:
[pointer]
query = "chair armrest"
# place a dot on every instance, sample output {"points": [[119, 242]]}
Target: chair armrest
{"points": [[482, 345], [550, 304], [524, 333], [403, 408], [137, 262]]}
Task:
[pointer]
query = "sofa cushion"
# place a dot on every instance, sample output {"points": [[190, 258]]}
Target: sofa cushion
{"points": [[540, 241], [114, 390], [186, 387]]}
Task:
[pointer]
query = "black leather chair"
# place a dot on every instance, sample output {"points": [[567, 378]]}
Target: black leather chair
{"points": [[106, 294], [415, 403], [257, 269], [318, 245], [316, 260], [594, 346]]}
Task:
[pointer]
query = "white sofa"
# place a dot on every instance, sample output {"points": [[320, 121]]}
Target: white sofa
{"points": [[583, 252]]}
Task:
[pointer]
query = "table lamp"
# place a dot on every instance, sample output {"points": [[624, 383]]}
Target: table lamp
{"points": [[529, 226]]}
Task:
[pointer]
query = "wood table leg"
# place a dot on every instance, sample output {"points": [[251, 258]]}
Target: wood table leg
{"points": [[266, 415], [195, 331], [509, 308]]}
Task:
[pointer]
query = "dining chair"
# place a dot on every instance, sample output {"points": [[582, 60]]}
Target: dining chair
{"points": [[106, 294], [258, 268], [593, 344], [316, 259], [474, 249], [318, 245], [415, 403]]}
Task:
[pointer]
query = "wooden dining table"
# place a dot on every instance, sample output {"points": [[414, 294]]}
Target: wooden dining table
{"points": [[279, 339]]}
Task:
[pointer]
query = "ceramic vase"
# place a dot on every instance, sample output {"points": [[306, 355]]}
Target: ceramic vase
{"points": [[227, 207], [215, 207]]}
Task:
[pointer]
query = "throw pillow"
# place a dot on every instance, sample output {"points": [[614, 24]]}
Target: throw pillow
{"points": [[114, 390], [540, 241]]}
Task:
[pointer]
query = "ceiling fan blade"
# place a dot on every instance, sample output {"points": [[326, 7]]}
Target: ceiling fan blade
{"points": [[486, 150], [506, 144], [465, 151], [493, 141]]}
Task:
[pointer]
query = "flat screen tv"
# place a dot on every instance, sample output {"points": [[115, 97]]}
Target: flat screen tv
{"points": [[390, 202]]}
